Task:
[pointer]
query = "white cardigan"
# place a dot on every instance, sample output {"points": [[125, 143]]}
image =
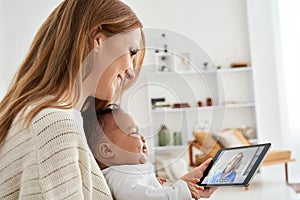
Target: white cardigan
{"points": [[138, 182], [50, 160]]}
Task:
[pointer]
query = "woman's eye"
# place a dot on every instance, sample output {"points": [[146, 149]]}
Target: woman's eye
{"points": [[134, 133], [133, 51]]}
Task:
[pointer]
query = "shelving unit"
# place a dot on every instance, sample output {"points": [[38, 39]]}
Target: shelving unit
{"points": [[231, 90], [233, 101]]}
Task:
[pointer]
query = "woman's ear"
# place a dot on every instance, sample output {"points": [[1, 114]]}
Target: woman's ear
{"points": [[105, 150], [97, 36]]}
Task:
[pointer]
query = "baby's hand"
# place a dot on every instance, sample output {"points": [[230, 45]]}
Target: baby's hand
{"points": [[194, 188], [161, 180]]}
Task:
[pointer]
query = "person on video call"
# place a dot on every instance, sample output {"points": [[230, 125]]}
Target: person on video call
{"points": [[228, 174]]}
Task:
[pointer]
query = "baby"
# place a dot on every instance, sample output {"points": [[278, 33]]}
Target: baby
{"points": [[121, 152]]}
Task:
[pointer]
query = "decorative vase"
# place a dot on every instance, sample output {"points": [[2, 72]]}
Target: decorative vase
{"points": [[163, 136], [209, 101], [177, 138]]}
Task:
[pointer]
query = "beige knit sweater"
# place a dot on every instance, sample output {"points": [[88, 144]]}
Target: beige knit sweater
{"points": [[50, 160]]}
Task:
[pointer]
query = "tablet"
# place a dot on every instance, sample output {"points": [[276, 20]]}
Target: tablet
{"points": [[234, 166]]}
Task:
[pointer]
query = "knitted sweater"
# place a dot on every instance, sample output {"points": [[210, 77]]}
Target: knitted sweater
{"points": [[50, 160]]}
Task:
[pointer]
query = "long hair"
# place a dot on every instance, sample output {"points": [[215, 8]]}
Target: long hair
{"points": [[238, 158], [53, 64]]}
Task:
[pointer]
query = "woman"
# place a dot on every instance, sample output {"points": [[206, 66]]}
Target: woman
{"points": [[84, 48], [228, 174], [43, 153]]}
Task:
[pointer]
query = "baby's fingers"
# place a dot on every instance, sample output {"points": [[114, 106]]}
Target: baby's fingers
{"points": [[192, 180], [195, 195]]}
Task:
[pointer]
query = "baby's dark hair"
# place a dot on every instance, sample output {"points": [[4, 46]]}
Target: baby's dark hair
{"points": [[95, 124]]}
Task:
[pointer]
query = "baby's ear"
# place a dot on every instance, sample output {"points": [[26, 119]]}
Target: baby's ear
{"points": [[105, 150]]}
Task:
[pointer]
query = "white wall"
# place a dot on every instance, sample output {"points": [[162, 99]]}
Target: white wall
{"points": [[266, 49], [21, 20], [263, 52], [288, 68], [219, 26], [2, 85]]}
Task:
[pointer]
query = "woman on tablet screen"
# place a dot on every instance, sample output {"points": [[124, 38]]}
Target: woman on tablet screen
{"points": [[229, 173]]}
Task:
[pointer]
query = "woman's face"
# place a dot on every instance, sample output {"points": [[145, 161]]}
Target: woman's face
{"points": [[234, 162], [116, 56]]}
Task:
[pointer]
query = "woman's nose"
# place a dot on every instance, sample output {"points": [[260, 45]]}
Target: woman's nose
{"points": [[129, 74], [143, 139]]}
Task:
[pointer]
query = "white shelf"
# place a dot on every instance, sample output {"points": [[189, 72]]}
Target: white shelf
{"points": [[236, 69], [193, 72], [179, 110], [240, 105], [172, 73]]}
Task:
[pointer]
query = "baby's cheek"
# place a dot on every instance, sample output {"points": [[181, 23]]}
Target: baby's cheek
{"points": [[135, 148]]}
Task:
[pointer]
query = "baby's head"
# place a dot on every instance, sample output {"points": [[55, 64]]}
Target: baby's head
{"points": [[113, 136]]}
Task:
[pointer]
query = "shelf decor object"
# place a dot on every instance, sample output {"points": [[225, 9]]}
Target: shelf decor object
{"points": [[164, 136], [177, 138]]}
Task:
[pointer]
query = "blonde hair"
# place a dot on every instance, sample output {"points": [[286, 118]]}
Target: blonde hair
{"points": [[53, 64]]}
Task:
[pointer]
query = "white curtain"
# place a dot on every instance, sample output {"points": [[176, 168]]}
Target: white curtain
{"points": [[289, 17], [289, 79]]}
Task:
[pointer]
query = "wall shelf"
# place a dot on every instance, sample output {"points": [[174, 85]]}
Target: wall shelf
{"points": [[188, 109], [231, 90]]}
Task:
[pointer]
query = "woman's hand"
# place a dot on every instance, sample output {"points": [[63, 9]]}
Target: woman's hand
{"points": [[197, 173], [207, 192]]}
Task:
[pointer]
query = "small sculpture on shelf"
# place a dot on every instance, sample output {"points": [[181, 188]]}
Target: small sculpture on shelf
{"points": [[164, 136], [177, 138], [164, 59], [159, 103], [209, 101], [239, 64], [205, 65], [181, 105], [200, 104]]}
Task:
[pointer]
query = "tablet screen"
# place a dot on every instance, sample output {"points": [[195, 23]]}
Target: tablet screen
{"points": [[234, 166]]}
